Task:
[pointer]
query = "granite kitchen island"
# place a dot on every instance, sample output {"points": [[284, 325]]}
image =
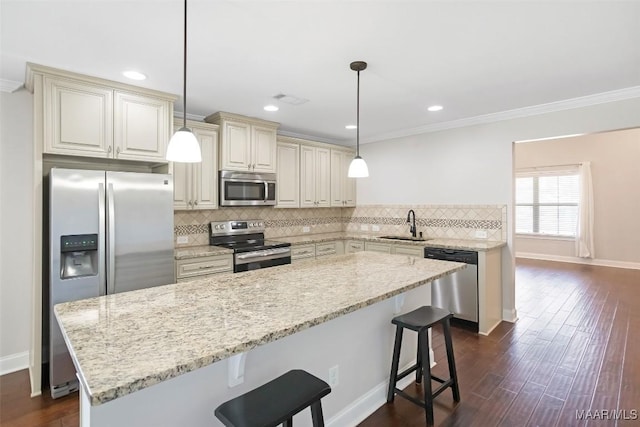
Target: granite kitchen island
{"points": [[169, 355]]}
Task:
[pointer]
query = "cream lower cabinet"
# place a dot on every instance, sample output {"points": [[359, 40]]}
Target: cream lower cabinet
{"points": [[316, 250], [195, 185], [246, 144], [197, 267], [90, 117], [416, 251], [288, 175], [329, 248], [300, 252], [378, 247], [315, 177], [343, 188]]}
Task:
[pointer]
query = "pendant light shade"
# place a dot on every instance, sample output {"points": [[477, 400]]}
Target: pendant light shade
{"points": [[358, 167], [183, 145]]}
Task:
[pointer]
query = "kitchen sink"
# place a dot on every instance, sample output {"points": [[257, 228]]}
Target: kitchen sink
{"points": [[409, 239]]}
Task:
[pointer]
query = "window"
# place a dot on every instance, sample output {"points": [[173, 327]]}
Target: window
{"points": [[547, 203]]}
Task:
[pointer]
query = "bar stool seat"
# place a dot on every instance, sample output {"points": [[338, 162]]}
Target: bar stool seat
{"points": [[420, 320], [276, 402]]}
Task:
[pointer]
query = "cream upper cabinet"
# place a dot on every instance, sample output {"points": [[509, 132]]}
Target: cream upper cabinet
{"points": [[195, 185], [246, 144], [343, 188], [315, 177], [80, 115], [141, 127], [288, 175]]}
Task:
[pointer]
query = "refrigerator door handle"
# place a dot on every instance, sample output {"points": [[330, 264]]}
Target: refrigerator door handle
{"points": [[101, 241], [111, 230]]}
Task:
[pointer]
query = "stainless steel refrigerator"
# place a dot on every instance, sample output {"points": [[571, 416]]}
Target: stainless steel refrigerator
{"points": [[109, 232]]}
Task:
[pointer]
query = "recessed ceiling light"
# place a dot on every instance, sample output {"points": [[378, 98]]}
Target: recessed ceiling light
{"points": [[435, 108], [350, 127], [134, 75], [271, 107]]}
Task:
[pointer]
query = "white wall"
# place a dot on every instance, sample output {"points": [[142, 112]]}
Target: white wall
{"points": [[614, 160], [474, 165], [16, 235]]}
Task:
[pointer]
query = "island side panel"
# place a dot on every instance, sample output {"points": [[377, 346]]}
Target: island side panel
{"points": [[360, 343]]}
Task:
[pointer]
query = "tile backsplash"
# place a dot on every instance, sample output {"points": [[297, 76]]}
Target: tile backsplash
{"points": [[434, 221]]}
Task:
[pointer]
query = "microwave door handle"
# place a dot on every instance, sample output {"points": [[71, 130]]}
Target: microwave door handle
{"points": [[266, 191]]}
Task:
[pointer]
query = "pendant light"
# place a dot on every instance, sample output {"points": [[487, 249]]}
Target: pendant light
{"points": [[183, 146], [358, 168]]}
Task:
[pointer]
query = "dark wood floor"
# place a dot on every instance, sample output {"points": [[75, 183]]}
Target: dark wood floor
{"points": [[573, 348]]}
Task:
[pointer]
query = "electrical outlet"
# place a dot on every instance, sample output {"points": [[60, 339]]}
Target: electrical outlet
{"points": [[181, 240], [481, 234], [306, 229], [375, 228], [334, 376], [364, 227]]}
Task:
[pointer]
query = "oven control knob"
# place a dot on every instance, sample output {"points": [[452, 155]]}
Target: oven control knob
{"points": [[253, 224], [222, 226], [261, 224]]}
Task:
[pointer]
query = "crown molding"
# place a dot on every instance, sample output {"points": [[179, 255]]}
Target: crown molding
{"points": [[311, 137], [10, 86], [567, 104]]}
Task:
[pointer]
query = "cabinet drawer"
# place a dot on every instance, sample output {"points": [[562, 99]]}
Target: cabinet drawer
{"points": [[377, 247], [202, 266], [415, 251], [303, 251], [351, 246], [329, 248]]}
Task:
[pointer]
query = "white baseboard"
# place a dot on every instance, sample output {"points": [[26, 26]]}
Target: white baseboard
{"points": [[359, 410], [577, 260], [14, 362], [510, 315]]}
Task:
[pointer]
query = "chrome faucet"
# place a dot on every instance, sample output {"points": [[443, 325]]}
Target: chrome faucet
{"points": [[412, 227]]}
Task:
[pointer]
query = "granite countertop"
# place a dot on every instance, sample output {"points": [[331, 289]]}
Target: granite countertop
{"points": [[200, 251], [126, 342], [477, 245]]}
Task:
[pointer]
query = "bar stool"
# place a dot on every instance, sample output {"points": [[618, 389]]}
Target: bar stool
{"points": [[276, 402], [420, 320]]}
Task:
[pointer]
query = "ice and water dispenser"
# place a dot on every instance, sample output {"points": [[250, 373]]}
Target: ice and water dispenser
{"points": [[78, 256]]}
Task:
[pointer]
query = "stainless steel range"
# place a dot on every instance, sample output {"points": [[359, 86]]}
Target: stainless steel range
{"points": [[250, 249]]}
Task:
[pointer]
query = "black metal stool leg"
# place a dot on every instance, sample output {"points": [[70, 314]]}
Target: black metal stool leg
{"points": [[316, 414], [418, 366], [423, 343], [451, 360], [394, 364]]}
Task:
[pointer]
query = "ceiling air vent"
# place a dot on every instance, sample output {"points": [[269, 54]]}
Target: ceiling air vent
{"points": [[290, 99]]}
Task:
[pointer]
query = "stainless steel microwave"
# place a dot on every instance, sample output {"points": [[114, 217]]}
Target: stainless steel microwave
{"points": [[247, 189]]}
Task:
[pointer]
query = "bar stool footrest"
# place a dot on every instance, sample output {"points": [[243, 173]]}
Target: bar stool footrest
{"points": [[407, 372]]}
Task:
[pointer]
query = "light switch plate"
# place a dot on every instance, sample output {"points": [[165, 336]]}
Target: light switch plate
{"points": [[181, 240], [306, 229], [481, 234], [364, 227], [375, 228]]}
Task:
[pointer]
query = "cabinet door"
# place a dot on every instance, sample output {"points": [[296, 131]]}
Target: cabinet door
{"points": [[337, 178], [141, 127], [415, 251], [235, 149], [288, 175], [377, 247], [182, 194], [323, 177], [78, 119], [352, 246], [307, 177], [349, 184], [205, 174], [263, 142]]}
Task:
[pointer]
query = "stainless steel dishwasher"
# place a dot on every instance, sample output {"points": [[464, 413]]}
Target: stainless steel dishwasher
{"points": [[457, 292]]}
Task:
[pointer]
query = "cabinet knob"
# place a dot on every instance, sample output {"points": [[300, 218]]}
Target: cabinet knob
{"points": [[195, 203], [117, 151], [109, 150]]}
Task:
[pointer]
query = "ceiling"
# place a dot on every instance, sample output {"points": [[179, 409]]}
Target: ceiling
{"points": [[474, 58]]}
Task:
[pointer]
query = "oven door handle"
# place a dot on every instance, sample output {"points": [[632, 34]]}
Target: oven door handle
{"points": [[264, 253]]}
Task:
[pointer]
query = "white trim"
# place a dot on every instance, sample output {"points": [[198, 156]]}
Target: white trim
{"points": [[368, 403], [577, 260], [534, 110], [544, 237], [510, 315], [9, 85], [14, 362]]}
